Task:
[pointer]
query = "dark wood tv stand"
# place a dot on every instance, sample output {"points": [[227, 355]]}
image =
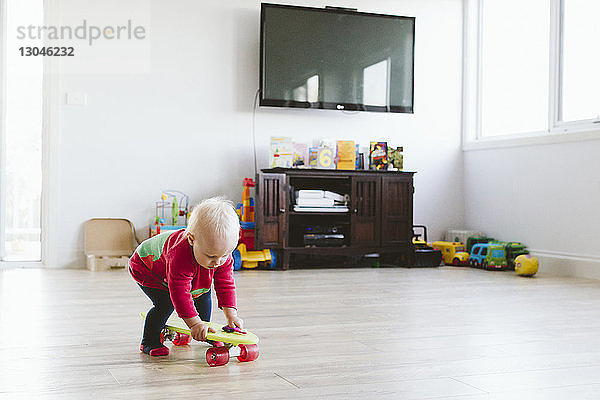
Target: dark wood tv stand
{"points": [[379, 219]]}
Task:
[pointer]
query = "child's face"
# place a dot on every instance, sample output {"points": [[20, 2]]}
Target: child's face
{"points": [[210, 252]]}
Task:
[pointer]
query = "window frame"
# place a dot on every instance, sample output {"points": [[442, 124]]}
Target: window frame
{"points": [[2, 130], [557, 131]]}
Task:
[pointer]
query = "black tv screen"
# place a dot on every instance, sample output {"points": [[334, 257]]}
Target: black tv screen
{"points": [[336, 58]]}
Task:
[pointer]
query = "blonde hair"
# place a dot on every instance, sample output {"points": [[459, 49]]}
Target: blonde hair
{"points": [[215, 218]]}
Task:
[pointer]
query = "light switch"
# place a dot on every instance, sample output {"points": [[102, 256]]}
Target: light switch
{"points": [[76, 99]]}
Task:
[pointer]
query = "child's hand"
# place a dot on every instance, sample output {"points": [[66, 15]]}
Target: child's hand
{"points": [[232, 318], [235, 321], [200, 331]]}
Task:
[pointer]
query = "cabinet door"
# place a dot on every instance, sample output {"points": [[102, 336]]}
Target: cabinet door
{"points": [[396, 211], [365, 211], [270, 211]]}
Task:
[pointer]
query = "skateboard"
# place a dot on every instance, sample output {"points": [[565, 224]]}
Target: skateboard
{"points": [[225, 341]]}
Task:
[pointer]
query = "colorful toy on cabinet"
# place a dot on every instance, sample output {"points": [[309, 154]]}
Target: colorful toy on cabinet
{"points": [[396, 158], [171, 212]]}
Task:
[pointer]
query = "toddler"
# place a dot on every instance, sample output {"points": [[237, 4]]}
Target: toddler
{"points": [[176, 271]]}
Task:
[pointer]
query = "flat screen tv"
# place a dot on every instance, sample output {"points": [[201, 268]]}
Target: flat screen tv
{"points": [[336, 58]]}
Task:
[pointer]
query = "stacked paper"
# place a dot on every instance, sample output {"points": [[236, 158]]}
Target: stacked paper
{"points": [[320, 201], [340, 209], [310, 194]]}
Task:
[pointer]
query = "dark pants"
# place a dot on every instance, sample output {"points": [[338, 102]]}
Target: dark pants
{"points": [[157, 317]]}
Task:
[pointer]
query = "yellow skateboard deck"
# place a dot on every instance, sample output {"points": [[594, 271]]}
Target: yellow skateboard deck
{"points": [[178, 325]]}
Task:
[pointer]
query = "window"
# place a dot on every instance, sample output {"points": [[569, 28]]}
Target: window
{"points": [[514, 66], [580, 60], [530, 69], [21, 136]]}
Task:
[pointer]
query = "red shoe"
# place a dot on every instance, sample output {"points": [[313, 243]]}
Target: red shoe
{"points": [[159, 351]]}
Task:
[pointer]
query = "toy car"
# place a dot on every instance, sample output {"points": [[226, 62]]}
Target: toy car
{"points": [[453, 253], [513, 250], [253, 259], [473, 240], [488, 256]]}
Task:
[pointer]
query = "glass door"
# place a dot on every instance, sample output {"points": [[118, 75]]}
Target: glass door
{"points": [[21, 105]]}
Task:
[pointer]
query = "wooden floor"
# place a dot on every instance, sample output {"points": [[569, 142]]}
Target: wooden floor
{"points": [[444, 333]]}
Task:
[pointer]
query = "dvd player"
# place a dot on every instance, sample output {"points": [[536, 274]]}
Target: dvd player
{"points": [[324, 239]]}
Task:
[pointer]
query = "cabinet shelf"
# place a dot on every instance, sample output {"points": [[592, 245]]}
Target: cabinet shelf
{"points": [[379, 217], [307, 213]]}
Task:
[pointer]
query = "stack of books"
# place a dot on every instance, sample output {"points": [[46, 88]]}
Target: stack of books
{"points": [[320, 201]]}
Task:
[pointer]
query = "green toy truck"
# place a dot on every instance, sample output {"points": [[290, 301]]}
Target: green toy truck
{"points": [[513, 250]]}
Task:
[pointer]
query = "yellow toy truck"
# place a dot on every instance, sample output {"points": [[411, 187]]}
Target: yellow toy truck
{"points": [[252, 259], [453, 253]]}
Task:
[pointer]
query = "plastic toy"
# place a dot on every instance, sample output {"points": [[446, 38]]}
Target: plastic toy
{"points": [[245, 211], [177, 204], [453, 253], [513, 250], [425, 255], [245, 256], [253, 259], [526, 265], [247, 201], [225, 344], [488, 256], [395, 158], [473, 240]]}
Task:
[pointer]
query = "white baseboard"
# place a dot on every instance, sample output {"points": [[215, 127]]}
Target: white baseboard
{"points": [[566, 264], [66, 257], [550, 263]]}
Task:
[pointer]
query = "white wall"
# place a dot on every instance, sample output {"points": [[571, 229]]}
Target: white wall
{"points": [[546, 196], [185, 124]]}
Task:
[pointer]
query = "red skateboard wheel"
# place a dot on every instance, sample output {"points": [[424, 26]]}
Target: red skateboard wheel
{"points": [[181, 339], [248, 352], [216, 356]]}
